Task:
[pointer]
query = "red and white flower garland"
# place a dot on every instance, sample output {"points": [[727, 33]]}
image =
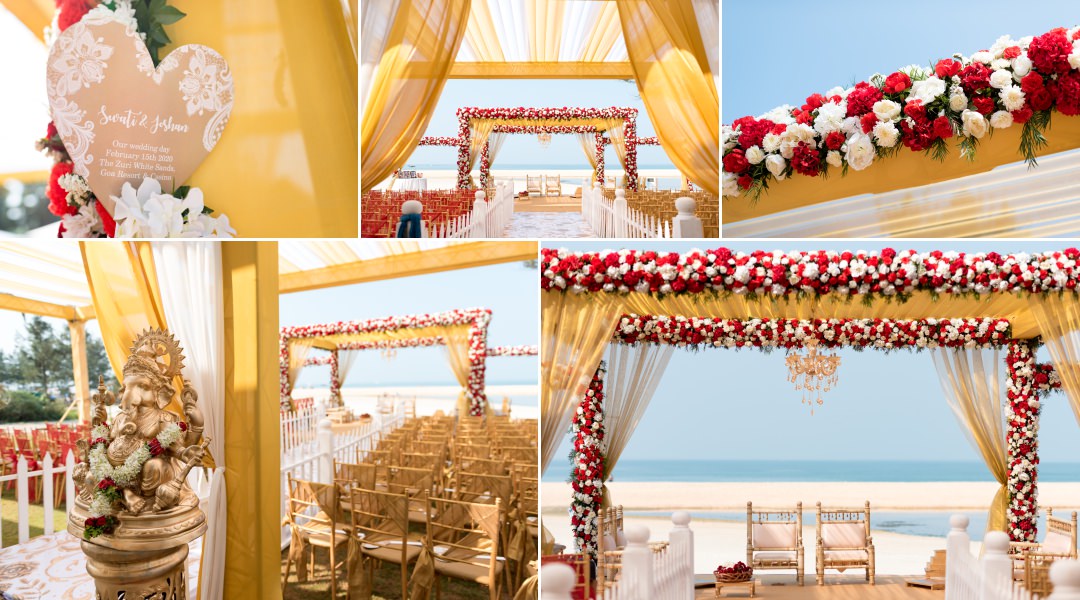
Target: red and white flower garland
{"points": [[513, 350], [1014, 82], [434, 140], [883, 273], [587, 478], [477, 318], [884, 334], [1023, 442]]}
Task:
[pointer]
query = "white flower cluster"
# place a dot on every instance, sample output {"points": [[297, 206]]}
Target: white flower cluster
{"points": [[150, 213], [86, 223], [123, 475], [1022, 440]]}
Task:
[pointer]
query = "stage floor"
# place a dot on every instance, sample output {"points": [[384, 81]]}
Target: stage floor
{"points": [[837, 587]]}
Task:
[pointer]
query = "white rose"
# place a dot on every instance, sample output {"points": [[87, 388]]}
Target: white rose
{"points": [[886, 134], [886, 110], [1021, 66], [731, 187], [755, 155], [860, 151], [957, 100], [982, 56], [1001, 119], [927, 90], [834, 158], [776, 165], [771, 143], [974, 124], [1000, 79], [787, 148], [1012, 97]]}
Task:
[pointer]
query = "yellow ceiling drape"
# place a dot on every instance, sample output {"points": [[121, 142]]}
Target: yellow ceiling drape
{"points": [[419, 52], [672, 71], [127, 301]]}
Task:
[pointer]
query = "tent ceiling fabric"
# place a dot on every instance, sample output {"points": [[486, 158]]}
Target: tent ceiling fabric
{"points": [[921, 305], [47, 274]]}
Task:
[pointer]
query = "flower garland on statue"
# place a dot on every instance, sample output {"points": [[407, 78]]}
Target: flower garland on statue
{"points": [[110, 480], [148, 212], [587, 477], [886, 272], [1022, 437], [767, 334], [513, 351], [1014, 82]]}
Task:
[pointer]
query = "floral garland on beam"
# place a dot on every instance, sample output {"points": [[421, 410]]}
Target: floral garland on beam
{"points": [[587, 477], [884, 273], [648, 141], [600, 139], [430, 140], [513, 351], [1023, 442], [884, 334], [1014, 82]]}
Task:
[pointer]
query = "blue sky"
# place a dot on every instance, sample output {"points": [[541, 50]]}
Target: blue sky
{"points": [[782, 51], [718, 404], [509, 290], [533, 93]]}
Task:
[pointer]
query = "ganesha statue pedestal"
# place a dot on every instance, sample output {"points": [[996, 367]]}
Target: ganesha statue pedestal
{"points": [[145, 556]]}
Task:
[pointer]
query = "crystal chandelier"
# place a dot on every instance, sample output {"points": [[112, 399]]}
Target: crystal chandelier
{"points": [[813, 374], [544, 139], [389, 354]]}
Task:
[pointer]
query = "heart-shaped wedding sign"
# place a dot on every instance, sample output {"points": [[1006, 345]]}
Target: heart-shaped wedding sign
{"points": [[121, 119]]}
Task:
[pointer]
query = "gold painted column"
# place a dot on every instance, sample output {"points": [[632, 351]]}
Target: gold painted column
{"points": [[252, 456], [79, 368]]}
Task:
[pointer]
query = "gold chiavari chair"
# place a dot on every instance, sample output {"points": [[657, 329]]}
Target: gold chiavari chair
{"points": [[416, 484], [311, 515], [469, 533], [380, 532]]}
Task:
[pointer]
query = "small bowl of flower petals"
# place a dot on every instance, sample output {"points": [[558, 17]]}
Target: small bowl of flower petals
{"points": [[736, 573]]}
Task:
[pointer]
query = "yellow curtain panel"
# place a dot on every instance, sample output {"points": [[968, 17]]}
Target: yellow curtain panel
{"points": [[672, 71], [419, 51]]}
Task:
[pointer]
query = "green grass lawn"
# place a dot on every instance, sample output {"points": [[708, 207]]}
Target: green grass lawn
{"points": [[9, 518]]}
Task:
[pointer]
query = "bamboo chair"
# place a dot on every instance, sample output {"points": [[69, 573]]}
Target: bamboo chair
{"points": [[311, 514], [844, 542], [464, 539], [380, 525], [774, 540]]}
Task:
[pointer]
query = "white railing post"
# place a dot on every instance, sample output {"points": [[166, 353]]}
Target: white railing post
{"points": [[686, 224], [637, 575], [22, 498], [69, 483], [557, 581], [1065, 575], [956, 543], [325, 443], [681, 539], [47, 493], [479, 215], [995, 567], [621, 214]]}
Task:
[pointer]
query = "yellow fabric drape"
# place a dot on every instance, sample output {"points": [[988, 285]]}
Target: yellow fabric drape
{"points": [[457, 352], [575, 329], [36, 15], [671, 67], [971, 381], [480, 130], [418, 54], [617, 132], [588, 145], [127, 301], [1059, 320]]}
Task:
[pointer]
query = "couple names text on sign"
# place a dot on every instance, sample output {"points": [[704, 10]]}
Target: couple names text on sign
{"points": [[120, 118]]}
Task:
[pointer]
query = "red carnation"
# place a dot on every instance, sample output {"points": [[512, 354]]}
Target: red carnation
{"points": [[916, 110], [107, 222], [861, 99], [813, 102], [58, 204], [1022, 114], [1011, 52], [1068, 93], [943, 127], [897, 82], [1050, 51], [984, 105], [947, 67], [806, 160], [752, 131], [974, 77], [72, 11], [1032, 82], [1040, 99], [735, 162], [155, 447], [745, 180], [834, 140], [868, 121]]}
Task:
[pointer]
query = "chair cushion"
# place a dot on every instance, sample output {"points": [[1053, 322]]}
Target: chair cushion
{"points": [[774, 535], [1056, 543], [774, 556], [609, 542], [843, 535], [478, 573], [391, 551], [846, 555]]}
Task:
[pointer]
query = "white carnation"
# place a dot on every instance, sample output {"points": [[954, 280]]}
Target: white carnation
{"points": [[886, 110], [754, 155], [974, 124], [1001, 119], [927, 90], [771, 143], [731, 188], [830, 117], [860, 151], [1012, 97], [886, 134]]}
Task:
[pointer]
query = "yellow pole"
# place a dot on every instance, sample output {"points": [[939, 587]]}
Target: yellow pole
{"points": [[252, 456], [79, 369]]}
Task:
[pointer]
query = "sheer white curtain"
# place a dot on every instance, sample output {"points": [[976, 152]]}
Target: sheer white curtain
{"points": [[189, 276], [298, 351], [633, 374], [588, 145], [973, 382], [345, 361], [495, 143], [376, 19], [708, 19]]}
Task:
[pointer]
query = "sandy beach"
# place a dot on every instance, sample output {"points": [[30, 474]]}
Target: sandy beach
{"points": [[717, 541], [571, 178]]}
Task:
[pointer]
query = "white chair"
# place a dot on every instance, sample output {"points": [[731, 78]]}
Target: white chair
{"points": [[553, 186], [533, 185], [774, 540], [1060, 542], [844, 542]]}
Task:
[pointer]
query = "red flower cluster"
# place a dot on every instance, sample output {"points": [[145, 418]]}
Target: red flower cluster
{"points": [[947, 67], [588, 464], [1023, 425], [739, 567], [106, 483], [72, 11], [182, 425], [897, 82], [96, 441], [806, 160], [752, 131], [155, 447], [861, 100], [58, 204], [1049, 52], [95, 526]]}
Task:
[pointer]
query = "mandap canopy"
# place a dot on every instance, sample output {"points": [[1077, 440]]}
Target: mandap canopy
{"points": [[669, 48], [959, 306]]}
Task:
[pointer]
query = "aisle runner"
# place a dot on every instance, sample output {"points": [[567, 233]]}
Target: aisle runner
{"points": [[53, 567], [548, 225]]}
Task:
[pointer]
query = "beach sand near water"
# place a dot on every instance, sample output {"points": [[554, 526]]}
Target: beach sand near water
{"points": [[717, 542], [428, 400]]}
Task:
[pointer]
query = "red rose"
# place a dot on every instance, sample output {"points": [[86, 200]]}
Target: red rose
{"points": [[58, 204], [897, 82], [735, 162], [947, 67], [943, 127], [1011, 52], [915, 110], [1022, 114], [1040, 99], [974, 77], [182, 425], [806, 160], [1049, 52], [745, 181], [984, 105], [813, 102], [834, 140]]}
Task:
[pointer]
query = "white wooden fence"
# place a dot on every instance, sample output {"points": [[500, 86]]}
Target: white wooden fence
{"points": [[488, 218], [667, 574], [615, 219], [968, 577], [24, 478]]}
